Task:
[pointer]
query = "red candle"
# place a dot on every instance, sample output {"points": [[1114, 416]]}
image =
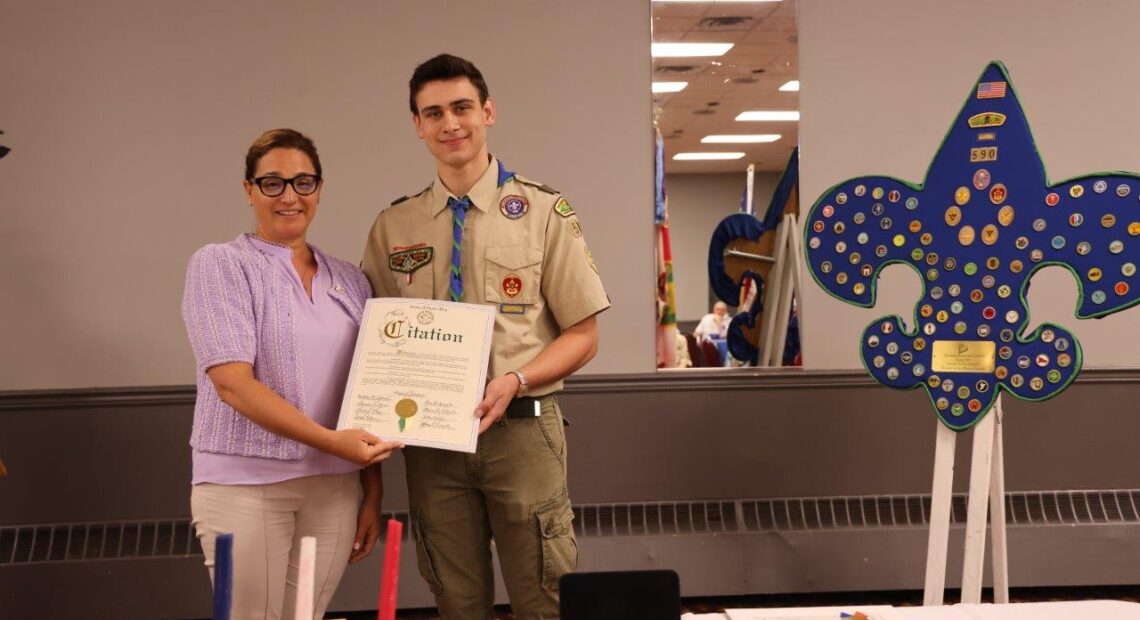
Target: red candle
{"points": [[390, 574]]}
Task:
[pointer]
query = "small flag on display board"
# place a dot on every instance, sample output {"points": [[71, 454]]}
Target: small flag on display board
{"points": [[991, 90]]}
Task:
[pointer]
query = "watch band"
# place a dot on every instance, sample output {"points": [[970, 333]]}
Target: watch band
{"points": [[523, 385]]}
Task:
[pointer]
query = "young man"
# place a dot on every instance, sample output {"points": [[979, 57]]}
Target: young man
{"points": [[483, 234]]}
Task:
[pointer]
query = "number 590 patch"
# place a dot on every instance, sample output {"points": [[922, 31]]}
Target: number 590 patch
{"points": [[984, 153]]}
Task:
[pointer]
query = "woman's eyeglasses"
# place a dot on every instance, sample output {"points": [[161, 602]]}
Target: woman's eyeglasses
{"points": [[303, 184]]}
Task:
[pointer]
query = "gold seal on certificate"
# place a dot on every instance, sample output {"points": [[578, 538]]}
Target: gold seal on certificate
{"points": [[419, 371]]}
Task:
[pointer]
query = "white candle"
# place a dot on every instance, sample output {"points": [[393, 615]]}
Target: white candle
{"points": [[306, 568]]}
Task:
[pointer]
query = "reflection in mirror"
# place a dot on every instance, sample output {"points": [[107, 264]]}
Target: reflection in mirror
{"points": [[726, 110]]}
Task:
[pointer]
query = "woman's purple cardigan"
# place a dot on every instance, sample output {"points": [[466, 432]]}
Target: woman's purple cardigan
{"points": [[237, 308]]}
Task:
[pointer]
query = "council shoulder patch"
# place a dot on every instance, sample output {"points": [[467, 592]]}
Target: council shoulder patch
{"points": [[562, 207], [407, 261]]}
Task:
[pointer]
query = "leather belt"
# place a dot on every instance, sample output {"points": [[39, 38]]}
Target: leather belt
{"points": [[524, 407], [528, 407]]}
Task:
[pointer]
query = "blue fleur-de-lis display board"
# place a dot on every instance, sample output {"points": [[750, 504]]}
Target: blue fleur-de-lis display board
{"points": [[978, 226]]}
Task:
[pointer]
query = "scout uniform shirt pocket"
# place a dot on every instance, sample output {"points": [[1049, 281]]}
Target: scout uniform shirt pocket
{"points": [[514, 277], [413, 270]]}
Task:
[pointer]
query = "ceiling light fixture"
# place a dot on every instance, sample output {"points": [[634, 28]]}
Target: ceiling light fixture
{"points": [[756, 138], [791, 87], [685, 50], [769, 115], [706, 156], [669, 87]]}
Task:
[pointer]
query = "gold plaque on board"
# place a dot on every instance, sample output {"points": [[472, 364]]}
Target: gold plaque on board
{"points": [[962, 356]]}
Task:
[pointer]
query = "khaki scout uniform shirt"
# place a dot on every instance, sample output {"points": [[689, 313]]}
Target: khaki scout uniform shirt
{"points": [[522, 251]]}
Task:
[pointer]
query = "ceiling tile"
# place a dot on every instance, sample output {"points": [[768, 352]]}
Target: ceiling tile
{"points": [[764, 56]]}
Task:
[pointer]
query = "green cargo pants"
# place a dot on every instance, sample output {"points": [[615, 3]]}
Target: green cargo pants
{"points": [[512, 489]]}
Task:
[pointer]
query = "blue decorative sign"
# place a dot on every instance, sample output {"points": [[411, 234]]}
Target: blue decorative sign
{"points": [[978, 226]]}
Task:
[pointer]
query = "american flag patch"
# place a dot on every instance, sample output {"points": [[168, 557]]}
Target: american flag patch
{"points": [[991, 90]]}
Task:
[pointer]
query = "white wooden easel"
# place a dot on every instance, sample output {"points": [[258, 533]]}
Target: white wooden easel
{"points": [[782, 287], [987, 486]]}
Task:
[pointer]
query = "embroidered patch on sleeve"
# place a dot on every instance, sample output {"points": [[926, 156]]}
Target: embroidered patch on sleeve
{"points": [[562, 207]]}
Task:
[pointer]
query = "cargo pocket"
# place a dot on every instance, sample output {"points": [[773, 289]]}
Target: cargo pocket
{"points": [[559, 549], [514, 275], [423, 555]]}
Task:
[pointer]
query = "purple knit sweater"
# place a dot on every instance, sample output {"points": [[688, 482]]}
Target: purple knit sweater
{"points": [[237, 309]]}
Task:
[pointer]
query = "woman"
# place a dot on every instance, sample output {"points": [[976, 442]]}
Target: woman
{"points": [[273, 321]]}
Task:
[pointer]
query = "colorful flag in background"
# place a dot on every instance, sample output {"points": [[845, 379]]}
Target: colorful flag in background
{"points": [[666, 292]]}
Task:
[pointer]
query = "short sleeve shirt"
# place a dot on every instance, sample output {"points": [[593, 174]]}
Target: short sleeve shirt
{"points": [[522, 251]]}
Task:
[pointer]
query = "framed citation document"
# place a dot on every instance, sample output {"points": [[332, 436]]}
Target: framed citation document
{"points": [[419, 371]]}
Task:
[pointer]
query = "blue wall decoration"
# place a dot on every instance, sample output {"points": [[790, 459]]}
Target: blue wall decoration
{"points": [[976, 229], [746, 232]]}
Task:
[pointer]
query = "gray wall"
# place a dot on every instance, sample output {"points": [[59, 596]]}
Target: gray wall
{"points": [[128, 121], [883, 80], [698, 439], [697, 203]]}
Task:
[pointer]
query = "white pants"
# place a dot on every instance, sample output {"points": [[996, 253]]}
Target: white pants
{"points": [[268, 522]]}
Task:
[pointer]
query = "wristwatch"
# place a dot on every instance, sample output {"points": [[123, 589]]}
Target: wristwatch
{"points": [[523, 386]]}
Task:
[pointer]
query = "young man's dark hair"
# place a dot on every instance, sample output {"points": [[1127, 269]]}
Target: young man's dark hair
{"points": [[445, 67]]}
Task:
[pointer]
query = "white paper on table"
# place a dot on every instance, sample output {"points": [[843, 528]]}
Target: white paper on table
{"points": [[1051, 610], [1048, 610], [874, 612]]}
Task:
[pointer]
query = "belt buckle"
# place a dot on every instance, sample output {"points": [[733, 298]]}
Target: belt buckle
{"points": [[520, 410]]}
